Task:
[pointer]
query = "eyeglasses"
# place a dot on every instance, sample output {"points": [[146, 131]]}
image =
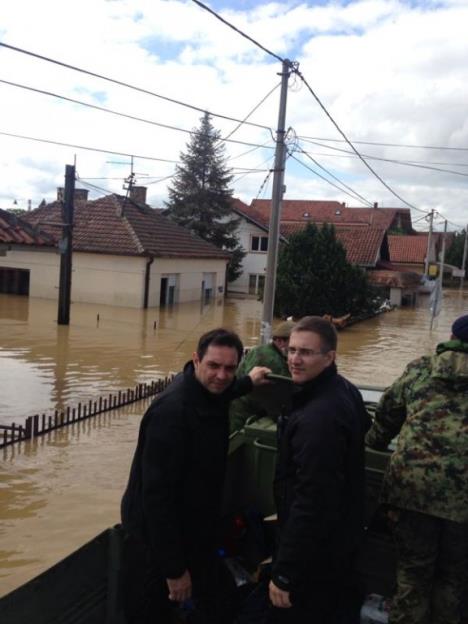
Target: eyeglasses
{"points": [[304, 353]]}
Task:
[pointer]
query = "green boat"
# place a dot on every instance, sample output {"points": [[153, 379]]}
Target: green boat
{"points": [[85, 587]]}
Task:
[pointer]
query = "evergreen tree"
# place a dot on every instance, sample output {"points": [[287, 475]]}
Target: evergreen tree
{"points": [[314, 277], [200, 196], [455, 252]]}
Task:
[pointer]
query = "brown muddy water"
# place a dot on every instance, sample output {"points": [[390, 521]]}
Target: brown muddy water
{"points": [[62, 489]]}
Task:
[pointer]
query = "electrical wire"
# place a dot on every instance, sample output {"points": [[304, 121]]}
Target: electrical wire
{"points": [[239, 32], [251, 112], [321, 176], [295, 69], [374, 173], [366, 201], [407, 163], [119, 114], [89, 149], [405, 145], [125, 84]]}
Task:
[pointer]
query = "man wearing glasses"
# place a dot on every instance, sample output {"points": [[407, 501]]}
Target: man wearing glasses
{"points": [[319, 485]]}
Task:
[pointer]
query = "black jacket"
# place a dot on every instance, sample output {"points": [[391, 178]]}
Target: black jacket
{"points": [[174, 491], [319, 483]]}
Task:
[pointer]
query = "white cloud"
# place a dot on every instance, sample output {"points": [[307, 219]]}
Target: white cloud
{"points": [[388, 72]]}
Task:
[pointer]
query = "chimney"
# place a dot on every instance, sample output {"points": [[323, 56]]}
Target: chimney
{"points": [[138, 194], [80, 194], [376, 205]]}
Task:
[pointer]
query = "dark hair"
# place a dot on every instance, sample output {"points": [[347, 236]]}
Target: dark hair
{"points": [[220, 337], [320, 326]]}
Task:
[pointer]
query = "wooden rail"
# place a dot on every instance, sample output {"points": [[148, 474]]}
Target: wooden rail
{"points": [[39, 424]]}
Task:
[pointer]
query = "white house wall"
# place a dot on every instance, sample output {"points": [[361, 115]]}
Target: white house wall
{"points": [[190, 273], [115, 280], [253, 262], [43, 269]]}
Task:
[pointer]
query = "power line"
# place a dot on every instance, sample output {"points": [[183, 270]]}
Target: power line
{"points": [[407, 163], [239, 32], [84, 147], [119, 114], [125, 84], [295, 69], [322, 106], [366, 201], [244, 121], [322, 177], [405, 145]]}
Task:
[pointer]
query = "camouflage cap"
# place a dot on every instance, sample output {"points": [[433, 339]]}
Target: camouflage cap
{"points": [[283, 330], [460, 328]]}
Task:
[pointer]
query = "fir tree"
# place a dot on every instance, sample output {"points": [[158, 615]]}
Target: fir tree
{"points": [[314, 277], [200, 195], [455, 252]]}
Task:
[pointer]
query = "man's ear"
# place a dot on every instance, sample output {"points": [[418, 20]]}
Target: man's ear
{"points": [[331, 356], [195, 359]]}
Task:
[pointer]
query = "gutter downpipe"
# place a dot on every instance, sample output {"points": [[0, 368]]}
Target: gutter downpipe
{"points": [[147, 282]]}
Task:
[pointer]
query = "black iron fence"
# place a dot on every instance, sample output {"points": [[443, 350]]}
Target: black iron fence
{"points": [[39, 424]]}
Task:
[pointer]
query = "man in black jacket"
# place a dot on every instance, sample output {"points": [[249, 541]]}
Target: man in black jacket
{"points": [[171, 504], [319, 485]]}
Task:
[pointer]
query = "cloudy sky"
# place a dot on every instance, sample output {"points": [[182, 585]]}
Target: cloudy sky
{"points": [[392, 74]]}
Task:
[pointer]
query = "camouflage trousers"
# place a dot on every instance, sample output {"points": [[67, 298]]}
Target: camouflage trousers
{"points": [[431, 569]]}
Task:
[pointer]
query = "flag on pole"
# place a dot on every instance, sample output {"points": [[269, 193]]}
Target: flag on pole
{"points": [[435, 300]]}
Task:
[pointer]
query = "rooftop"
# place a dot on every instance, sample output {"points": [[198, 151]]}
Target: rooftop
{"points": [[15, 230], [118, 225]]}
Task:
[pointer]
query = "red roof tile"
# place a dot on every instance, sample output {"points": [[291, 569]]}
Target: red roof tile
{"points": [[116, 225], [298, 210], [364, 246], [17, 231], [411, 249]]}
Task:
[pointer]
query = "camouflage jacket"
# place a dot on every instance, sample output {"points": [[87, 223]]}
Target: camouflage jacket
{"points": [[428, 407], [264, 400]]}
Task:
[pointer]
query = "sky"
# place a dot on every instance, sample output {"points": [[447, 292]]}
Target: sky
{"points": [[392, 75]]}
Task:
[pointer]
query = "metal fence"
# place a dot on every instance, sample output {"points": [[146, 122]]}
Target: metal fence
{"points": [[39, 424]]}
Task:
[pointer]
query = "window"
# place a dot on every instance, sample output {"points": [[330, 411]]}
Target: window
{"points": [[259, 243], [256, 283]]}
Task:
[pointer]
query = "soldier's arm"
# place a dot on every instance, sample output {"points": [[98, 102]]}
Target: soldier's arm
{"points": [[390, 413]]}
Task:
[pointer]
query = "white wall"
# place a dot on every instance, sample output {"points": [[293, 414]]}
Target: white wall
{"points": [[115, 280], [254, 262], [43, 266], [190, 277]]}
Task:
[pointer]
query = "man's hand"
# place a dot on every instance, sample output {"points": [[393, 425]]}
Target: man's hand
{"points": [[180, 589], [257, 375], [279, 597]]}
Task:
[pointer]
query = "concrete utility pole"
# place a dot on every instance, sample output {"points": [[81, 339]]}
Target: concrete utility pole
{"points": [[276, 200], [65, 247], [429, 240], [437, 301], [465, 249]]}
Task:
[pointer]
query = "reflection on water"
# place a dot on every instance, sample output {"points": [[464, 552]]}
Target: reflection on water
{"points": [[62, 489]]}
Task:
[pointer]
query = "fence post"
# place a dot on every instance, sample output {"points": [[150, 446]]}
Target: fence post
{"points": [[28, 428]]}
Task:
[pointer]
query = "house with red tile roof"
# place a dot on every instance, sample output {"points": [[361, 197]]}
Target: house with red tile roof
{"points": [[19, 238], [365, 245], [126, 254], [409, 252], [320, 212]]}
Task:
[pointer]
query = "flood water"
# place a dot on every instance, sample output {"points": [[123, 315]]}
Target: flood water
{"points": [[62, 489]]}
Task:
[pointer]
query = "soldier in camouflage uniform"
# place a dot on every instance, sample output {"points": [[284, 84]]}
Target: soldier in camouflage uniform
{"points": [[269, 400], [426, 484]]}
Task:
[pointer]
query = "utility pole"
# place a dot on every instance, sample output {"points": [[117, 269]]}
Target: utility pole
{"points": [[65, 247], [276, 200], [437, 301], [463, 264], [429, 240]]}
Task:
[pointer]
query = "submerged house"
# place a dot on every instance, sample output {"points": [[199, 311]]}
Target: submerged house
{"points": [[125, 253]]}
